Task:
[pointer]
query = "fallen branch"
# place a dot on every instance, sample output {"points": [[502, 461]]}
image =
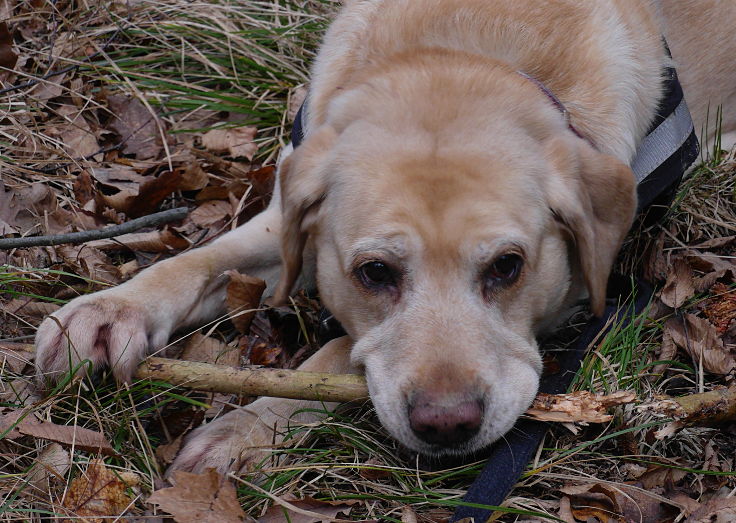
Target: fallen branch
{"points": [[281, 383], [576, 407], [708, 408], [96, 234]]}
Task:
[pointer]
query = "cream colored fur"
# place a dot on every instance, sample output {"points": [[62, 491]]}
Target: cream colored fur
{"points": [[427, 151]]}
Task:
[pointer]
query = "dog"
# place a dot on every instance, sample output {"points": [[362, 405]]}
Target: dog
{"points": [[464, 180]]}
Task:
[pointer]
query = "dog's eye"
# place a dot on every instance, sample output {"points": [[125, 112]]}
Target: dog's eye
{"points": [[376, 274], [504, 269]]}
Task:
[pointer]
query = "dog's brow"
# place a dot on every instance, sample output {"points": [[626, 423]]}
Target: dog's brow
{"points": [[492, 248], [393, 246]]}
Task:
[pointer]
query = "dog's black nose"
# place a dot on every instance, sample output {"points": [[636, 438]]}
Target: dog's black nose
{"points": [[443, 424]]}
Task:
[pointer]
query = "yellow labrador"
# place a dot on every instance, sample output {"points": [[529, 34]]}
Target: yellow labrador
{"points": [[440, 189]]}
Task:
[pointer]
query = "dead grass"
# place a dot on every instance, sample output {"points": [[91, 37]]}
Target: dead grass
{"points": [[69, 115]]}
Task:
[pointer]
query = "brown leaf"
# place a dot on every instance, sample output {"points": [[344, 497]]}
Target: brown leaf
{"points": [[659, 476], [679, 286], [708, 262], [236, 142], [243, 294], [76, 135], [51, 465], [30, 309], [155, 241], [119, 177], [193, 177], [8, 57], [199, 498], [718, 510], [136, 126], [89, 262], [11, 423], [307, 510], [99, 493], [69, 436], [15, 356], [699, 338], [667, 352], [84, 188], [374, 469], [210, 212], [151, 192], [620, 502], [209, 350], [21, 209]]}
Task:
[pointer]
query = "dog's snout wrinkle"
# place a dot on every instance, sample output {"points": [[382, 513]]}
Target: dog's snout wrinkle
{"points": [[440, 423]]}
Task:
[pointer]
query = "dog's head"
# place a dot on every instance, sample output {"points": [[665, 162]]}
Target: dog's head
{"points": [[443, 250]]}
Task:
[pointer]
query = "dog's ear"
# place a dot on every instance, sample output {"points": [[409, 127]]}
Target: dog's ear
{"points": [[594, 196], [302, 182]]}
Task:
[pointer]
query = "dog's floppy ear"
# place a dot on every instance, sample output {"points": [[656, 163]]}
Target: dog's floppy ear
{"points": [[594, 196], [302, 184]]}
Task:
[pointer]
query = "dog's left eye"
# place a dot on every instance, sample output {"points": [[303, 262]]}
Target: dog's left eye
{"points": [[504, 269], [376, 274]]}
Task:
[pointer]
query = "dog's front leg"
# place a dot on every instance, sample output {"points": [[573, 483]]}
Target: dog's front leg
{"points": [[117, 327], [246, 435]]}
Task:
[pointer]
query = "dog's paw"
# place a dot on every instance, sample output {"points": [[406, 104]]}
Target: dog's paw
{"points": [[108, 329], [231, 443]]}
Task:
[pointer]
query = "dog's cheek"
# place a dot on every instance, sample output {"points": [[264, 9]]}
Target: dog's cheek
{"points": [[510, 397]]}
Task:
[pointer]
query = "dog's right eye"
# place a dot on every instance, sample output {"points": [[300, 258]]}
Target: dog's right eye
{"points": [[376, 274]]}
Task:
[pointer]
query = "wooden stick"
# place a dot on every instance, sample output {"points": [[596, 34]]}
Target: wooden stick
{"points": [[281, 383], [96, 234]]}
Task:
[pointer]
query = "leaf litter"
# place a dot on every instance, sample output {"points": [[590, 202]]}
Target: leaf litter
{"points": [[83, 150]]}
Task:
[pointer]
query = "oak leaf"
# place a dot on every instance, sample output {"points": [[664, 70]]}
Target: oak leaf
{"points": [[199, 498]]}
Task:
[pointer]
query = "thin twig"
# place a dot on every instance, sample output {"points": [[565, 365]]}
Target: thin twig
{"points": [[96, 234]]}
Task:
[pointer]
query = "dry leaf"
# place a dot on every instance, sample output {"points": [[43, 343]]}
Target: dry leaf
{"points": [[155, 241], [210, 212], [193, 177], [374, 469], [30, 309], [136, 126], [84, 188], [699, 338], [307, 510], [15, 356], [77, 137], [660, 476], [199, 498], [89, 262], [67, 435], [52, 464], [119, 177], [10, 423], [236, 142], [209, 350], [679, 286], [717, 510], [408, 515], [243, 294], [98, 494], [619, 502], [151, 192], [667, 353], [8, 57]]}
